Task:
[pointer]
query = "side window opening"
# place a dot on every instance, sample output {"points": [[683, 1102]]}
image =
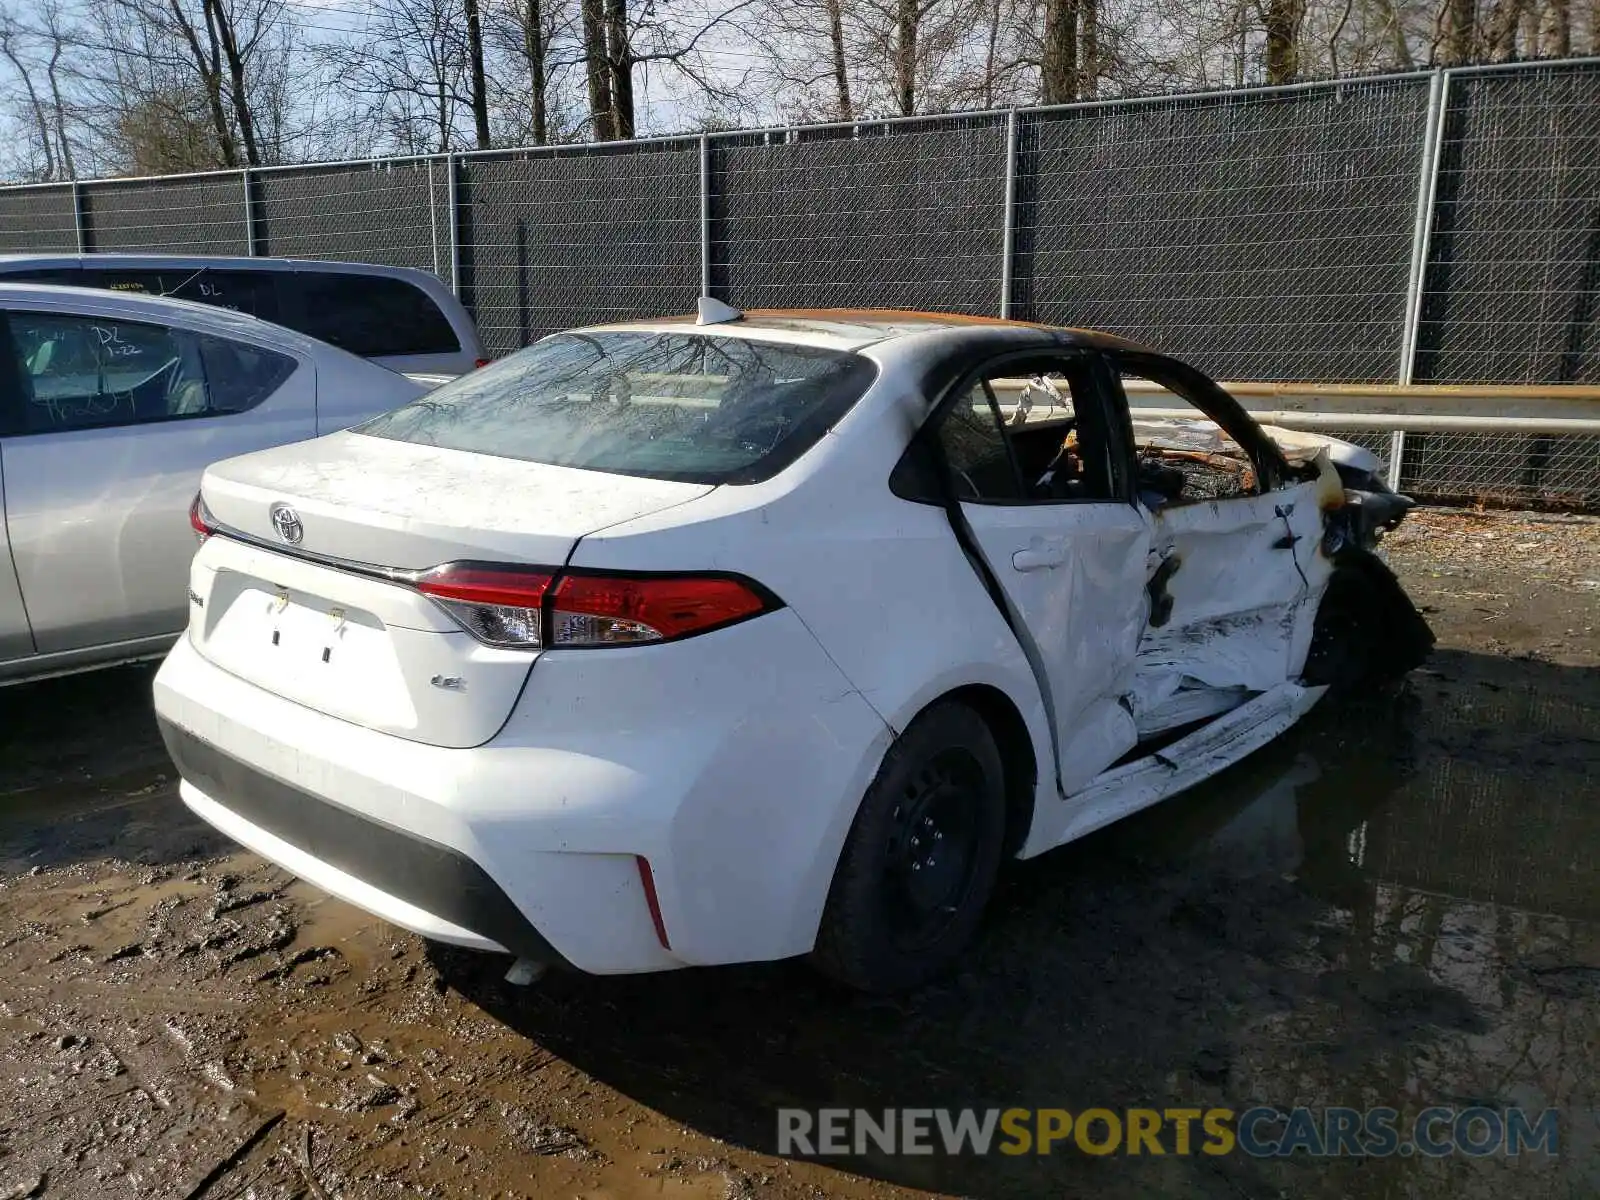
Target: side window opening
{"points": [[1182, 455], [974, 444], [1020, 434]]}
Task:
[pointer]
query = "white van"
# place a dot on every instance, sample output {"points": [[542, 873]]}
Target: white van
{"points": [[399, 318]]}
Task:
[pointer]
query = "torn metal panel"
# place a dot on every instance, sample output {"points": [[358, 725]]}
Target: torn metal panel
{"points": [[1138, 784]]}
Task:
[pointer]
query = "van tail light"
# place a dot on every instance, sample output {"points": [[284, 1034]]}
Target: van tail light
{"points": [[201, 520], [499, 606], [533, 608], [479, 362]]}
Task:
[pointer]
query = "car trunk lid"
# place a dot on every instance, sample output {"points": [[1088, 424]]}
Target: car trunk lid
{"points": [[319, 604]]}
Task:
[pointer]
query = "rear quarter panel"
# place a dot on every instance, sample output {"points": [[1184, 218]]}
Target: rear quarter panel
{"points": [[880, 582]]}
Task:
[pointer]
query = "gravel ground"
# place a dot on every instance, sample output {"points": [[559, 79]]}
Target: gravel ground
{"points": [[1396, 903]]}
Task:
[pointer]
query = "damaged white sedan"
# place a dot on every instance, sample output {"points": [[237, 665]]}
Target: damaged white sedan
{"points": [[684, 642]]}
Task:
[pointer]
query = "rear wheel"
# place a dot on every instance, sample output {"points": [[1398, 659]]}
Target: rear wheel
{"points": [[921, 859]]}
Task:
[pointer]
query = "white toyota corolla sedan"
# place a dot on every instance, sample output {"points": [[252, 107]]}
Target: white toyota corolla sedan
{"points": [[724, 639]]}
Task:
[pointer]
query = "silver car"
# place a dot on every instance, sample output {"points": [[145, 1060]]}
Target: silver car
{"points": [[111, 407], [399, 318]]}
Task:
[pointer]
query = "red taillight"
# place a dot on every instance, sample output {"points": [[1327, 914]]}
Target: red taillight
{"points": [[497, 605], [200, 519], [533, 607], [479, 362], [609, 610]]}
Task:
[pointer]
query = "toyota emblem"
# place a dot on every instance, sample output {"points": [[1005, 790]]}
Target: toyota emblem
{"points": [[286, 523]]}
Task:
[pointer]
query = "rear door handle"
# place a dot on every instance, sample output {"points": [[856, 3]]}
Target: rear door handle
{"points": [[1038, 557]]}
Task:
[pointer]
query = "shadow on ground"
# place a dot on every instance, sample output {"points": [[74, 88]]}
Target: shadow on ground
{"points": [[84, 776], [1387, 906]]}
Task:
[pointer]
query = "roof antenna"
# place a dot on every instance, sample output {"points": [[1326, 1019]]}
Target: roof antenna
{"points": [[715, 312]]}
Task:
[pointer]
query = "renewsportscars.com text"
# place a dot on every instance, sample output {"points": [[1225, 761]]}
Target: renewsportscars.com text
{"points": [[1262, 1132]]}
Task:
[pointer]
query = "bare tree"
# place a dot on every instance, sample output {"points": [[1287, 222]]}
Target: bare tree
{"points": [[619, 63], [597, 69], [535, 46], [1282, 20], [59, 38], [475, 73], [1058, 73], [11, 49], [410, 72]]}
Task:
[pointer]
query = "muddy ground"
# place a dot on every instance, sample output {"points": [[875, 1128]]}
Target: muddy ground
{"points": [[1395, 904]]}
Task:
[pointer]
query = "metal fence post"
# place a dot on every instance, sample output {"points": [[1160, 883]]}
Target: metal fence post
{"points": [[249, 213], [77, 216], [452, 166], [1008, 237], [1421, 238], [433, 220], [705, 215]]}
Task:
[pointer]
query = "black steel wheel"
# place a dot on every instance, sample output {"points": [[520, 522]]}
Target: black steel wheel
{"points": [[921, 858]]}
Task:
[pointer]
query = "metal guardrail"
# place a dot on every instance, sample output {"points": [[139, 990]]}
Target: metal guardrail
{"points": [[1419, 408], [1527, 444]]}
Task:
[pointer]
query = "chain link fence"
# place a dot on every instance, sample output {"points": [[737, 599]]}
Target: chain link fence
{"points": [[905, 215], [393, 212], [1263, 237], [1436, 227], [590, 234]]}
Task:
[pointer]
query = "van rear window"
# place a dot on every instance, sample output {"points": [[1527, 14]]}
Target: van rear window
{"points": [[687, 407], [372, 316]]}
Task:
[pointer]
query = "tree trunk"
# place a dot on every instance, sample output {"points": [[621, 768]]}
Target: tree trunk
{"points": [[1461, 32], [533, 46], [480, 90], [1059, 69], [1397, 35], [444, 115], [222, 29], [1283, 22], [990, 54], [1089, 48], [34, 102], [208, 64], [908, 18], [620, 57], [596, 64], [841, 76], [1501, 36], [65, 146], [1558, 29]]}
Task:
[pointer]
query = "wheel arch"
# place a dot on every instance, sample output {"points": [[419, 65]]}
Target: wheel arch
{"points": [[1017, 756]]}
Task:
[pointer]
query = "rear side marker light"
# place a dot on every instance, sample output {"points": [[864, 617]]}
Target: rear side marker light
{"points": [[648, 879], [532, 608]]}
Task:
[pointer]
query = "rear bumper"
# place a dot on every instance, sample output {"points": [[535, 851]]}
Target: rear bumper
{"points": [[434, 889], [733, 768]]}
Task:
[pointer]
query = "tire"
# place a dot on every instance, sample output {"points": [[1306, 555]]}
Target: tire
{"points": [[903, 905], [1367, 631]]}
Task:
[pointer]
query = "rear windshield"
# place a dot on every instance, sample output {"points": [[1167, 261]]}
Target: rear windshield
{"points": [[688, 407]]}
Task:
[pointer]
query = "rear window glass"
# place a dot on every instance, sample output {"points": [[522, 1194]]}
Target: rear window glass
{"points": [[251, 292], [695, 408], [373, 316]]}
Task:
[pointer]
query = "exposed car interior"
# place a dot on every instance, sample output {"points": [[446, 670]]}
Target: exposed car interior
{"points": [[1178, 461]]}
